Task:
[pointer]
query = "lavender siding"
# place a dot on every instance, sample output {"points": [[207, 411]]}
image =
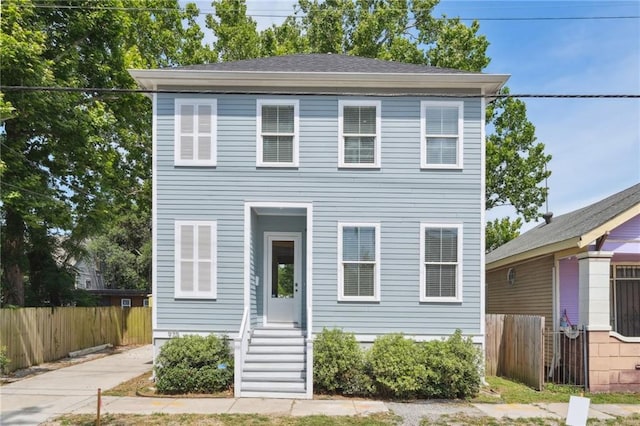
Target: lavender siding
{"points": [[625, 238], [569, 288]]}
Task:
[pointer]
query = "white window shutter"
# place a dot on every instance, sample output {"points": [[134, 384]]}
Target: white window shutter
{"points": [[196, 259], [195, 129]]}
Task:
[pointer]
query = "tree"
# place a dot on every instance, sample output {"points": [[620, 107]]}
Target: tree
{"points": [[407, 31], [72, 160]]}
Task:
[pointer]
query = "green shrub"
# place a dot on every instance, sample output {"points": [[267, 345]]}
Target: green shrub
{"points": [[4, 360], [339, 365], [194, 364], [453, 368], [397, 366]]}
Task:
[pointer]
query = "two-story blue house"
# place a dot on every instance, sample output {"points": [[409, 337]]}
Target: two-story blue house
{"points": [[299, 192]]}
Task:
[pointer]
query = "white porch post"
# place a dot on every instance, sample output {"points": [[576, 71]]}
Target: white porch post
{"points": [[594, 290]]}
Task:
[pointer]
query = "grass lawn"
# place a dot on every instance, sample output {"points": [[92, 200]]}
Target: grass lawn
{"points": [[229, 420], [507, 391], [488, 421]]}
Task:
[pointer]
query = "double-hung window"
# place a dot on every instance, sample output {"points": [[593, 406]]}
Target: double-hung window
{"points": [[278, 133], [195, 132], [358, 261], [440, 262], [441, 132], [195, 259], [359, 133]]}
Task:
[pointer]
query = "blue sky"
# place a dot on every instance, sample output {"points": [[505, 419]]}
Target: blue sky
{"points": [[595, 143]]}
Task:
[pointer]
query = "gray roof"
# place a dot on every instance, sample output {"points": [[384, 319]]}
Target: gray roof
{"points": [[322, 62], [569, 226]]}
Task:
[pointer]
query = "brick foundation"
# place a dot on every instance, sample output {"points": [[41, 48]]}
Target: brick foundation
{"points": [[613, 364]]}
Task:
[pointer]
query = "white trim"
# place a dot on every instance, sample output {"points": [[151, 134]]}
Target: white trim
{"points": [[459, 263], [196, 294], [154, 211], [377, 264], [123, 304], [483, 220], [369, 338], [296, 237], [460, 135], [624, 338], [378, 136], [296, 132], [148, 78], [196, 102]]}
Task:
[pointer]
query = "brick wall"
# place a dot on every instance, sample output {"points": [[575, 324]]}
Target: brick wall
{"points": [[612, 364]]}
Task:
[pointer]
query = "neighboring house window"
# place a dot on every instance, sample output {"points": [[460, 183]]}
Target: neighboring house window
{"points": [[195, 132], [277, 138], [359, 133], [125, 303], [441, 129], [440, 262], [625, 286], [358, 261], [145, 303], [195, 259], [87, 283]]}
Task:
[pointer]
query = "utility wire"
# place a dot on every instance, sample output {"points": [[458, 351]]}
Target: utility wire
{"points": [[294, 15], [210, 92]]}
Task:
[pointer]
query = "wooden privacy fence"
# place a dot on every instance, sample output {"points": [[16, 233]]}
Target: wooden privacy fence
{"points": [[35, 335], [515, 348]]}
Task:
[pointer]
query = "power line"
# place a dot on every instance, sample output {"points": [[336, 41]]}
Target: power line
{"points": [[215, 92], [293, 15]]}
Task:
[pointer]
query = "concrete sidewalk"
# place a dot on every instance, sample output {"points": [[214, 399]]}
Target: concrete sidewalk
{"points": [[38, 398], [72, 390]]}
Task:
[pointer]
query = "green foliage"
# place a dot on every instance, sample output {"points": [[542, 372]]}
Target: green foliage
{"points": [[501, 231], [397, 366], [516, 162], [194, 364], [4, 360], [339, 364], [453, 368], [124, 251]]}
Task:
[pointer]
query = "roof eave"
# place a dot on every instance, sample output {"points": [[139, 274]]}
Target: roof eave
{"points": [[489, 84], [571, 243], [592, 235]]}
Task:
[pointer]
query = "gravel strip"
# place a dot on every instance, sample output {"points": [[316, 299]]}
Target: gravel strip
{"points": [[413, 413]]}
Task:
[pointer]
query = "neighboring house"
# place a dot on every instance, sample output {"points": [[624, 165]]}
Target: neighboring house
{"points": [[580, 269], [300, 192], [89, 278]]}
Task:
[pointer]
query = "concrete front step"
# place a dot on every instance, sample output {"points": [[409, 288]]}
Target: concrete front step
{"points": [[275, 348], [275, 395], [285, 357], [277, 332], [273, 366], [272, 386], [276, 340], [273, 375]]}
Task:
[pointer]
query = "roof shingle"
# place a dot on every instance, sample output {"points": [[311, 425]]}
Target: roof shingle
{"points": [[322, 62], [570, 225]]}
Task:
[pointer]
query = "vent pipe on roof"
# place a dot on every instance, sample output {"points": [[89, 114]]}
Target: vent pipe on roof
{"points": [[547, 217]]}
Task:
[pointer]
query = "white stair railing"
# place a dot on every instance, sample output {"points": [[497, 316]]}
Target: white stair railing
{"points": [[240, 346]]}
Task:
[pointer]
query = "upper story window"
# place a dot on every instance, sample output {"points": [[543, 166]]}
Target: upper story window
{"points": [[440, 262], [359, 133], [277, 128], [195, 132], [195, 259], [441, 129], [359, 261]]}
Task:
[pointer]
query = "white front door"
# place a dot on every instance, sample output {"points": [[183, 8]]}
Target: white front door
{"points": [[282, 272]]}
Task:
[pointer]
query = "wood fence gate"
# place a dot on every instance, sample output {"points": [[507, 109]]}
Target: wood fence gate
{"points": [[515, 348]]}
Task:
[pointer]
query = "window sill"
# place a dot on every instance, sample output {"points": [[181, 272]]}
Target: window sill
{"points": [[440, 167], [440, 300], [359, 299]]}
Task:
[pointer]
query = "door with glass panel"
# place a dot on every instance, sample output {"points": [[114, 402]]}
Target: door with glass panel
{"points": [[282, 272]]}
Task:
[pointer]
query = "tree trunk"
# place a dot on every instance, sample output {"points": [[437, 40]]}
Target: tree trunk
{"points": [[12, 258]]}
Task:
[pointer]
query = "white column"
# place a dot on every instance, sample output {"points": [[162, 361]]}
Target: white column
{"points": [[594, 290]]}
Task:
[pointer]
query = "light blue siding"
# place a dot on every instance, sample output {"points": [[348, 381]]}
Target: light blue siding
{"points": [[399, 196]]}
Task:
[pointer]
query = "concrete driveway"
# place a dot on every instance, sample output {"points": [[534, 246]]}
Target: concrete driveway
{"points": [[39, 398]]}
